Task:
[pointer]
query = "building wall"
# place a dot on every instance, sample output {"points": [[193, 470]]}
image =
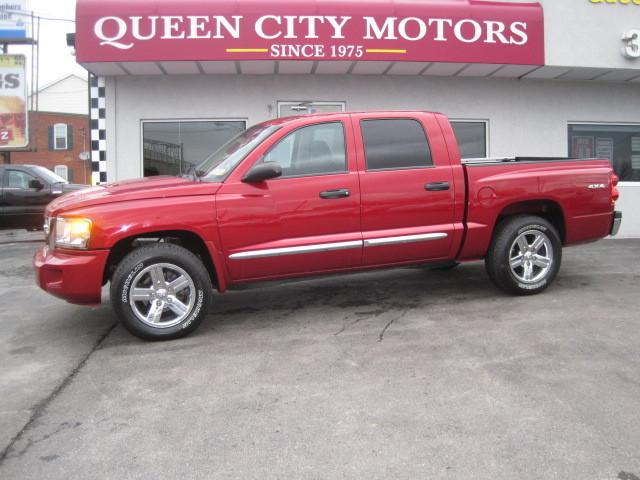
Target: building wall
{"points": [[40, 154], [68, 95], [525, 117], [582, 33]]}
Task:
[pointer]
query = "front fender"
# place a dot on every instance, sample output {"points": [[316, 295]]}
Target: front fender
{"points": [[114, 222]]}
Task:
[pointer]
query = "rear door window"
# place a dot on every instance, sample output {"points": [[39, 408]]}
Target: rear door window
{"points": [[395, 143]]}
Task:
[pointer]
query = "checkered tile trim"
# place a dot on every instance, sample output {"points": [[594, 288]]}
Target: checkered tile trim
{"points": [[98, 130]]}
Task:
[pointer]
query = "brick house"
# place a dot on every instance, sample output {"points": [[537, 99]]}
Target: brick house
{"points": [[59, 131], [56, 142]]}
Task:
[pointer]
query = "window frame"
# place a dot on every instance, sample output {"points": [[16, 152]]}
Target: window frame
{"points": [[65, 136], [487, 126], [292, 131], [280, 103], [364, 145], [66, 171], [179, 120], [590, 122]]}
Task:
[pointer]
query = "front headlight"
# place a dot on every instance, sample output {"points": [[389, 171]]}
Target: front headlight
{"points": [[73, 232]]}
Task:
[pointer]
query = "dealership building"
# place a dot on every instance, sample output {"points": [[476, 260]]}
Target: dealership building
{"points": [[174, 80]]}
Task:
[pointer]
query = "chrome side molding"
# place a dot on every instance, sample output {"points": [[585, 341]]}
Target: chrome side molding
{"points": [[276, 252], [328, 247], [372, 242]]}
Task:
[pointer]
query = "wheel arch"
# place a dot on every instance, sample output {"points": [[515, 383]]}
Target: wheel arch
{"points": [[185, 238], [548, 209]]}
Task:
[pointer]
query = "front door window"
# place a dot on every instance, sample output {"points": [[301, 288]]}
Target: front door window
{"points": [[313, 150]]}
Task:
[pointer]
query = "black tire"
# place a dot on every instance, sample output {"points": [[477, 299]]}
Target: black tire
{"points": [[504, 248], [174, 263]]}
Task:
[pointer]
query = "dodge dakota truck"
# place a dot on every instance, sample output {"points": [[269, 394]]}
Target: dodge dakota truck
{"points": [[312, 195]]}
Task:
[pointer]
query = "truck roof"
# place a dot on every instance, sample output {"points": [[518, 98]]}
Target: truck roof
{"points": [[18, 165], [375, 113]]}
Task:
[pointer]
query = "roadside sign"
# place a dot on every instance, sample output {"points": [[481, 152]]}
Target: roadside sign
{"points": [[13, 102], [14, 18]]}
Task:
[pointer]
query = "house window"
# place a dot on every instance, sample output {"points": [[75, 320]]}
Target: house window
{"points": [[62, 171], [472, 137], [60, 136], [288, 109], [620, 144], [172, 147]]}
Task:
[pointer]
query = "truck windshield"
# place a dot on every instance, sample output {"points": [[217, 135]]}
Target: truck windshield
{"points": [[217, 166]]}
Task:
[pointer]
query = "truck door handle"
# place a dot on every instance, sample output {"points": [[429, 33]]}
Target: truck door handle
{"points": [[338, 193], [436, 186]]}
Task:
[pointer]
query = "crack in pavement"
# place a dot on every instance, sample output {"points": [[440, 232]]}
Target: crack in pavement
{"points": [[42, 406], [362, 316], [389, 323]]}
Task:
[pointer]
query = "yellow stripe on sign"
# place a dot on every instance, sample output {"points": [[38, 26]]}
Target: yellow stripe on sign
{"points": [[379, 50], [247, 50]]}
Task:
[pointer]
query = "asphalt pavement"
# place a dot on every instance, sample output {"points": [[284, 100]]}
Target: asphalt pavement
{"points": [[402, 374]]}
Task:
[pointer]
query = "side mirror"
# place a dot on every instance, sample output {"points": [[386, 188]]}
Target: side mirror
{"points": [[37, 184], [262, 172]]}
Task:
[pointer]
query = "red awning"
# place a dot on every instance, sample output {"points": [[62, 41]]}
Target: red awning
{"points": [[457, 31]]}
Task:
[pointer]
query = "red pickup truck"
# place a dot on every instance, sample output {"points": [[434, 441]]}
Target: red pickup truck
{"points": [[319, 194]]}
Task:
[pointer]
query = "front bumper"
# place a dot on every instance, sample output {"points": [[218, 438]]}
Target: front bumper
{"points": [[615, 225], [73, 276]]}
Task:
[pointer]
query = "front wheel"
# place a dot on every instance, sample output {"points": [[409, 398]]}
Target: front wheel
{"points": [[525, 255], [161, 292]]}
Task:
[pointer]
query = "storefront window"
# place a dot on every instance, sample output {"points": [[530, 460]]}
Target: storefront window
{"points": [[620, 144], [472, 138], [171, 148]]}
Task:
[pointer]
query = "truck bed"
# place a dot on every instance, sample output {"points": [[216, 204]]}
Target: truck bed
{"points": [[577, 191]]}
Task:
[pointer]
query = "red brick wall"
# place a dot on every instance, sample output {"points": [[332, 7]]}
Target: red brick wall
{"points": [[39, 153]]}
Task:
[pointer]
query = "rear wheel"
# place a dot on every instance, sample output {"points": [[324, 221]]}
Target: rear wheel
{"points": [[161, 292], [525, 255]]}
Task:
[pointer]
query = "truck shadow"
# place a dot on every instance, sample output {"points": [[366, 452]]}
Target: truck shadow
{"points": [[369, 293]]}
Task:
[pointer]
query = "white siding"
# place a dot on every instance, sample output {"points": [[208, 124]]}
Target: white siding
{"points": [[579, 33], [68, 95]]}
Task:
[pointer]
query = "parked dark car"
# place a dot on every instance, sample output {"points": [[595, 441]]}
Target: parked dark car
{"points": [[25, 190]]}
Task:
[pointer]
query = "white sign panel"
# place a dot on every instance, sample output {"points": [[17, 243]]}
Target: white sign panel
{"points": [[14, 19]]}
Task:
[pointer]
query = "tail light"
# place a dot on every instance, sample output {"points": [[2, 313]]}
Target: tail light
{"points": [[615, 193]]}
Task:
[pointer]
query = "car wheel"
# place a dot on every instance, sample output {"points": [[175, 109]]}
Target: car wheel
{"points": [[525, 255], [161, 292]]}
